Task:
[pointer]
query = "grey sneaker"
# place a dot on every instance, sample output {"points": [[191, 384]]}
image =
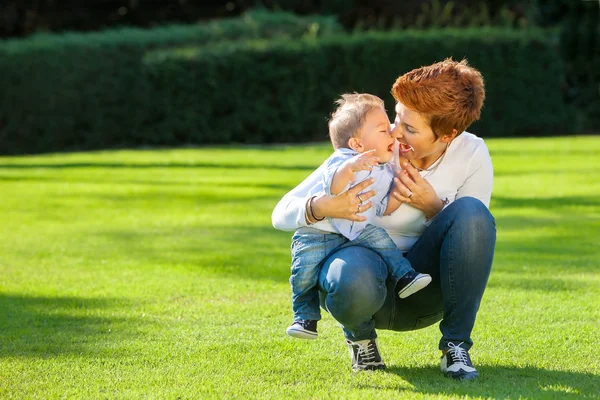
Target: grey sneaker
{"points": [[457, 364], [303, 329], [365, 355]]}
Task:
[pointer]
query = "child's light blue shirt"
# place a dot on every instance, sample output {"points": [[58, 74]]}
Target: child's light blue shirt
{"points": [[383, 174]]}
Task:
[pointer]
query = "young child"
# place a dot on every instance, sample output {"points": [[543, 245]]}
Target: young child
{"points": [[361, 135]]}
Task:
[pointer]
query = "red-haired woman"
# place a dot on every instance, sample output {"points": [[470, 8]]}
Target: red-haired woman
{"points": [[444, 226]]}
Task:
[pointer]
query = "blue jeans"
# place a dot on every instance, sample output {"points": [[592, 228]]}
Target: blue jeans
{"points": [[457, 250], [310, 249]]}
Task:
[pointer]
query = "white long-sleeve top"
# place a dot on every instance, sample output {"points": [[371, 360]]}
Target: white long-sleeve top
{"points": [[465, 170]]}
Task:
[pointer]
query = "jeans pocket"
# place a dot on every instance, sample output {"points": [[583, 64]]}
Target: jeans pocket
{"points": [[428, 319]]}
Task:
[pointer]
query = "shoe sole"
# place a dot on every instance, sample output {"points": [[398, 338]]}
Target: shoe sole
{"points": [[415, 286], [462, 375], [370, 368], [301, 334]]}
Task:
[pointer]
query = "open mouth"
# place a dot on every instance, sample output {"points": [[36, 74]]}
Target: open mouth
{"points": [[405, 148]]}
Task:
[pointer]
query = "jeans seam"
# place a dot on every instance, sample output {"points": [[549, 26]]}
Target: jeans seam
{"points": [[451, 278], [392, 314], [393, 308]]}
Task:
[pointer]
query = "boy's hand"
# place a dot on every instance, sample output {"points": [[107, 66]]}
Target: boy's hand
{"points": [[345, 174], [363, 162]]}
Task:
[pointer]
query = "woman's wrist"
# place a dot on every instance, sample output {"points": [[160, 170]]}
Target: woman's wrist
{"points": [[315, 204], [309, 213], [435, 208]]}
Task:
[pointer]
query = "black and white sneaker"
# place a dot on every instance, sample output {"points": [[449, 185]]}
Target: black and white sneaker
{"points": [[303, 329], [457, 364], [365, 355], [411, 283]]}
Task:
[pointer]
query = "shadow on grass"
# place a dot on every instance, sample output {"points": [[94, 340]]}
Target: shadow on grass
{"points": [[200, 198], [549, 203], [213, 165], [533, 153], [186, 183], [52, 326], [533, 175], [20, 178], [502, 382], [251, 252], [546, 285]]}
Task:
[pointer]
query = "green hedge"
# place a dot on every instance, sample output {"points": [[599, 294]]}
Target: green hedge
{"points": [[580, 45], [84, 90], [579, 24], [262, 91], [283, 92]]}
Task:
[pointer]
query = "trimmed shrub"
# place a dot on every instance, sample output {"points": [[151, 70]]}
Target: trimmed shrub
{"points": [[580, 47], [260, 91], [579, 24], [86, 90], [283, 92]]}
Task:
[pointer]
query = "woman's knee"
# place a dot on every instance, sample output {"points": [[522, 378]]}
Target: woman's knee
{"points": [[471, 212], [352, 281]]}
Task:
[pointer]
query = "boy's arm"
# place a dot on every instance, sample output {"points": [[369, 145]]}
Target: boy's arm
{"points": [[345, 173], [341, 179]]}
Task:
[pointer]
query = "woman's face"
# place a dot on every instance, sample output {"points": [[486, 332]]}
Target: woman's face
{"points": [[415, 137]]}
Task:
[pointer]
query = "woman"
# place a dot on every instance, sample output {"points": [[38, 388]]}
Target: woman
{"points": [[444, 226]]}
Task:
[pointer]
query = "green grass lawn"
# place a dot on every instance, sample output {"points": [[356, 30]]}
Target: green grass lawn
{"points": [[157, 274]]}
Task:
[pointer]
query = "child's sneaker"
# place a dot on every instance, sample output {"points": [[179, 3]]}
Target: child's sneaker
{"points": [[303, 329], [411, 283]]}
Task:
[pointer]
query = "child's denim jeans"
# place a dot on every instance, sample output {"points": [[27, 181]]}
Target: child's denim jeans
{"points": [[309, 250]]}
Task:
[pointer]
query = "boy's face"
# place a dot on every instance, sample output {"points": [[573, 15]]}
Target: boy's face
{"points": [[376, 134]]}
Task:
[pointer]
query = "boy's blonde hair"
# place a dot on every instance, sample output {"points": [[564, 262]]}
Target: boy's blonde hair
{"points": [[350, 114]]}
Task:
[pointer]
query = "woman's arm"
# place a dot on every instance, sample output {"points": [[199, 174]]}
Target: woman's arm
{"points": [[480, 177], [290, 213]]}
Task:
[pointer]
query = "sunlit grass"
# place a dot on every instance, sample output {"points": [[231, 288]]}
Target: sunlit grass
{"points": [[136, 274]]}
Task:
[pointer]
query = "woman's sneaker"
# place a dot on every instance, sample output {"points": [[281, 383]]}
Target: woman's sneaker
{"points": [[457, 364], [365, 355], [303, 329], [411, 283]]}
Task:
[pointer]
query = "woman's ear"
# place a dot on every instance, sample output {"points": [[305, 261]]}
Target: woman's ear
{"points": [[355, 144], [448, 138]]}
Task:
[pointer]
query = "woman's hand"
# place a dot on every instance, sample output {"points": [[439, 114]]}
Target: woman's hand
{"points": [[411, 188], [347, 205]]}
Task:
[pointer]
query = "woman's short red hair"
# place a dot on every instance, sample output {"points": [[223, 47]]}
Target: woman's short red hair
{"points": [[449, 93]]}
